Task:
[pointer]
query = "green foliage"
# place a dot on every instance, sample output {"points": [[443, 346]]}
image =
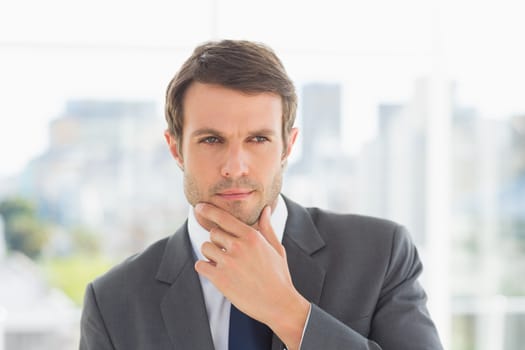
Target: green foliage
{"points": [[26, 234], [24, 231], [16, 206], [72, 274]]}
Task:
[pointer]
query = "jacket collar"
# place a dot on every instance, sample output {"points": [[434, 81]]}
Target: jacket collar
{"points": [[301, 241]]}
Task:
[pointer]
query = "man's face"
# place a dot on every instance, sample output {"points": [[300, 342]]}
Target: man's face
{"points": [[232, 152]]}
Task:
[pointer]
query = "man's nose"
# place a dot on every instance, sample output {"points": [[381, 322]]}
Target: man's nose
{"points": [[235, 163]]}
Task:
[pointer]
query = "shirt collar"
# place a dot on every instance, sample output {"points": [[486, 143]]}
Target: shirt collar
{"points": [[199, 235]]}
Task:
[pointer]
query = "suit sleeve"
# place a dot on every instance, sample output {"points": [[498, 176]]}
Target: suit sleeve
{"points": [[400, 319], [93, 333]]}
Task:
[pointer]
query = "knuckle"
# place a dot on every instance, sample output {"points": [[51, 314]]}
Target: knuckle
{"points": [[207, 211], [202, 209], [234, 247], [227, 264], [216, 235], [251, 237]]}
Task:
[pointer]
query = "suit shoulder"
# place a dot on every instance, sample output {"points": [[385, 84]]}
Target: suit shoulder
{"points": [[361, 229], [377, 243], [325, 219]]}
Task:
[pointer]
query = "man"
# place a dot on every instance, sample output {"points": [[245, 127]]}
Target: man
{"points": [[335, 281]]}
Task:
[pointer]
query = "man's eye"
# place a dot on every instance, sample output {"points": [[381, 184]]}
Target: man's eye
{"points": [[259, 139], [210, 140]]}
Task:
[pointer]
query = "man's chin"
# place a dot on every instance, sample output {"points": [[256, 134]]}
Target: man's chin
{"points": [[244, 214]]}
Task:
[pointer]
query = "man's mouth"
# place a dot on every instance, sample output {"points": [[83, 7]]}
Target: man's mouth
{"points": [[235, 194]]}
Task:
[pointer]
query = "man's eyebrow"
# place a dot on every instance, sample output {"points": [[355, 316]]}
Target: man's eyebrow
{"points": [[211, 131], [206, 131], [266, 132]]}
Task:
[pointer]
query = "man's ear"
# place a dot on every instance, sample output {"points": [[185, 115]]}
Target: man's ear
{"points": [[292, 137], [173, 146]]}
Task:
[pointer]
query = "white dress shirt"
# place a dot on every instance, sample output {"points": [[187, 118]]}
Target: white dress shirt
{"points": [[217, 306]]}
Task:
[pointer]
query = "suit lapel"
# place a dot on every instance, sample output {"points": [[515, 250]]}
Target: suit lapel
{"points": [[301, 240], [182, 307]]}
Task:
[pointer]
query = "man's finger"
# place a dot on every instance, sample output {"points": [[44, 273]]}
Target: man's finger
{"points": [[203, 221], [220, 217], [212, 252], [221, 238], [205, 268], [266, 229]]}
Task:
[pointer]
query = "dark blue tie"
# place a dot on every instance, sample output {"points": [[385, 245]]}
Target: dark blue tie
{"points": [[247, 333]]}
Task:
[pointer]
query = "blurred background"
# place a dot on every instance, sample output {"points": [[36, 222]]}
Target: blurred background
{"points": [[413, 110]]}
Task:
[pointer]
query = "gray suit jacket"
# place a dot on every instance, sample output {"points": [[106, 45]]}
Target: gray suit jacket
{"points": [[358, 272]]}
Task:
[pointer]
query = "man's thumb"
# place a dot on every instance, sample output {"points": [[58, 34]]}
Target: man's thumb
{"points": [[266, 229]]}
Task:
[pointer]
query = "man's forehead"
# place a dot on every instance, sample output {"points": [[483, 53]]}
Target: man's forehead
{"points": [[211, 91], [218, 107]]}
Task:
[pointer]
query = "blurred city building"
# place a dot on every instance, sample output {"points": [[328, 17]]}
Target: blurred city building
{"points": [[391, 168], [488, 211], [107, 169], [324, 175]]}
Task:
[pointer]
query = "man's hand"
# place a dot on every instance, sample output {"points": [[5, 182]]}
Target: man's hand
{"points": [[249, 267]]}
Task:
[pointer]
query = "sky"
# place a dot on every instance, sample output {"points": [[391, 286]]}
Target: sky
{"points": [[55, 50]]}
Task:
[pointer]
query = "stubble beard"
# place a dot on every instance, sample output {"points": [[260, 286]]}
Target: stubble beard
{"points": [[249, 216]]}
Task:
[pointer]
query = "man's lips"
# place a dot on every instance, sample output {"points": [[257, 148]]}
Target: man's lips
{"points": [[235, 194]]}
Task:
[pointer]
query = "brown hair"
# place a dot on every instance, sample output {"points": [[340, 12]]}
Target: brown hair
{"points": [[236, 64]]}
